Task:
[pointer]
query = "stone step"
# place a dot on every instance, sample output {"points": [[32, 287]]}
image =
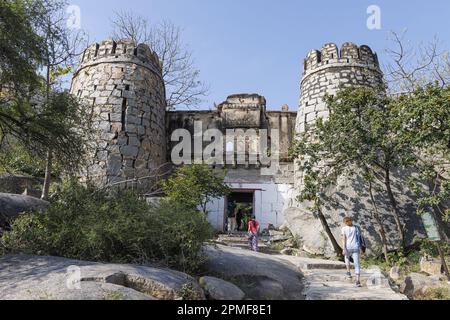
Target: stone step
{"points": [[367, 278], [348, 291], [322, 265], [305, 264], [326, 284]]}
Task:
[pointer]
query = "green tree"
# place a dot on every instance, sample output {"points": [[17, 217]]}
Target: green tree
{"points": [[194, 186], [35, 111], [359, 137], [61, 48], [21, 51], [424, 123]]}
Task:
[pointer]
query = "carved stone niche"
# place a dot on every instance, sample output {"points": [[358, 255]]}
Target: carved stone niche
{"points": [[243, 111]]}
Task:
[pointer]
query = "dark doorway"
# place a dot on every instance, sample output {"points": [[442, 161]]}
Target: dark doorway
{"points": [[244, 201]]}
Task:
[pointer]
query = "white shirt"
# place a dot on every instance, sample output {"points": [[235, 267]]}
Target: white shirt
{"points": [[352, 240]]}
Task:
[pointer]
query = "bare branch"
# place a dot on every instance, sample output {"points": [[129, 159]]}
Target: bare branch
{"points": [[413, 66], [182, 79]]}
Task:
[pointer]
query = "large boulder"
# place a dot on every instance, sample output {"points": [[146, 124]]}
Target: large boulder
{"points": [[350, 197], [13, 204], [260, 276], [395, 273], [416, 284], [218, 289], [431, 266], [11, 183], [53, 278], [309, 232]]}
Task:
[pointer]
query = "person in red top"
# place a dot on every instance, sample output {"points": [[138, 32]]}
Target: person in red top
{"points": [[253, 230]]}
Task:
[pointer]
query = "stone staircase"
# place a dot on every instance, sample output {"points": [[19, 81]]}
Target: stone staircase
{"points": [[326, 279], [239, 240], [327, 284]]}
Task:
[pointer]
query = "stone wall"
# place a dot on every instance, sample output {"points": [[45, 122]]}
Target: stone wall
{"points": [[122, 83], [324, 72], [244, 111]]}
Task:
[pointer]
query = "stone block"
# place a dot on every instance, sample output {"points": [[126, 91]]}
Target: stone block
{"points": [[129, 151], [431, 266]]}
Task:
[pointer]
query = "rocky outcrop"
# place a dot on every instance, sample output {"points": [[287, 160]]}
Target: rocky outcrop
{"points": [[218, 289], [416, 284], [11, 183], [13, 204], [53, 278], [309, 232], [431, 266], [260, 276], [395, 273]]}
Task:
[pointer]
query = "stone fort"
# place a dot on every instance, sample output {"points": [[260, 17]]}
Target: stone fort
{"points": [[123, 83]]}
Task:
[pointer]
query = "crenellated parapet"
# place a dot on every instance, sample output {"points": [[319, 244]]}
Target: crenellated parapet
{"points": [[120, 51], [328, 70], [331, 56]]}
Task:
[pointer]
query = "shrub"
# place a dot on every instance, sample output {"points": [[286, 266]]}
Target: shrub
{"points": [[195, 186], [86, 223]]}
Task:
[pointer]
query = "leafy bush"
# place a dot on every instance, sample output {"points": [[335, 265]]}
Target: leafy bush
{"points": [[195, 186], [90, 224]]}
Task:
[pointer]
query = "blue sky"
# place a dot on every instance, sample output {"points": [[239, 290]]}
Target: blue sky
{"points": [[258, 46]]}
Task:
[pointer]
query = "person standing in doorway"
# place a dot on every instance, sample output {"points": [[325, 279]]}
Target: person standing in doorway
{"points": [[239, 219], [352, 248], [231, 213], [253, 231]]}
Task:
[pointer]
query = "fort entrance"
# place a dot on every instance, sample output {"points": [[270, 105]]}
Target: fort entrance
{"points": [[245, 208]]}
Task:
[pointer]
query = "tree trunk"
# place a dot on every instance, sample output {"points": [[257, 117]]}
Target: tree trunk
{"points": [[380, 223], [441, 225], [444, 262], [337, 248], [48, 176], [395, 210], [437, 210]]}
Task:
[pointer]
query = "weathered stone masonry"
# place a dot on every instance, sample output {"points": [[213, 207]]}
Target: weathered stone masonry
{"points": [[124, 85], [328, 70], [325, 72]]}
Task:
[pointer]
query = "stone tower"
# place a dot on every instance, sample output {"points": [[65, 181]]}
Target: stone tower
{"points": [[325, 71], [123, 83], [328, 70]]}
